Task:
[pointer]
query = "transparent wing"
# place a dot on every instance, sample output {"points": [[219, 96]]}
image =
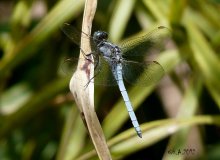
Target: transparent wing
{"points": [[103, 73], [69, 65], [150, 42], [73, 33], [145, 73]]}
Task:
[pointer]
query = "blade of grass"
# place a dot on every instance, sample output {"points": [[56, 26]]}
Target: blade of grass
{"points": [[125, 144], [166, 127], [177, 10], [120, 18], [209, 11], [187, 109], [28, 46], [206, 60], [34, 104], [157, 11], [12, 99], [73, 135]]}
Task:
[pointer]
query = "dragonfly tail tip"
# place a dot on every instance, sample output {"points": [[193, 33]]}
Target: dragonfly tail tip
{"points": [[139, 134]]}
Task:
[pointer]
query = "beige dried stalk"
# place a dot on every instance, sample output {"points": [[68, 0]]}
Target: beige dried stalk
{"points": [[84, 97]]}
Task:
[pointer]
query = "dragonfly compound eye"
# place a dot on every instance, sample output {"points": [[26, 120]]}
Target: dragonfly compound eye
{"points": [[100, 36]]}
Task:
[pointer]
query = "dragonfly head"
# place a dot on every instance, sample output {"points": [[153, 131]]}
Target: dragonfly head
{"points": [[100, 36]]}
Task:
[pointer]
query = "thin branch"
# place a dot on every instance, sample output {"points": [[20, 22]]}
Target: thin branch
{"points": [[85, 96]]}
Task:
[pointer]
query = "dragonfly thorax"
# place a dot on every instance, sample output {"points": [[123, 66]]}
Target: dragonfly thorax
{"points": [[105, 48], [110, 51]]}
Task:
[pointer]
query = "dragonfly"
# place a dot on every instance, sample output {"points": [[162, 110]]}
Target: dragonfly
{"points": [[125, 61]]}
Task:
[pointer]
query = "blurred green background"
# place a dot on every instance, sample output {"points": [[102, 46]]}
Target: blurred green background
{"points": [[38, 116]]}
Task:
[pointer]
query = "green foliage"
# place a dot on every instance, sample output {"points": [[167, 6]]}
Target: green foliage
{"points": [[37, 117]]}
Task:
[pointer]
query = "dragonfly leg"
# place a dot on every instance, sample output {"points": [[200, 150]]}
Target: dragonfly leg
{"points": [[84, 54], [95, 67], [87, 56]]}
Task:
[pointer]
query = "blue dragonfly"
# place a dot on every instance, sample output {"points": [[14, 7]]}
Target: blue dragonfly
{"points": [[125, 61]]}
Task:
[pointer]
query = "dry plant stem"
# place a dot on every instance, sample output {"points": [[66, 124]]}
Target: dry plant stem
{"points": [[84, 97]]}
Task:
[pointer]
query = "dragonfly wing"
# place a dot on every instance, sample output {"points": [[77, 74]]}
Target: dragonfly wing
{"points": [[74, 34], [150, 42], [103, 73], [145, 73], [71, 32], [69, 65]]}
